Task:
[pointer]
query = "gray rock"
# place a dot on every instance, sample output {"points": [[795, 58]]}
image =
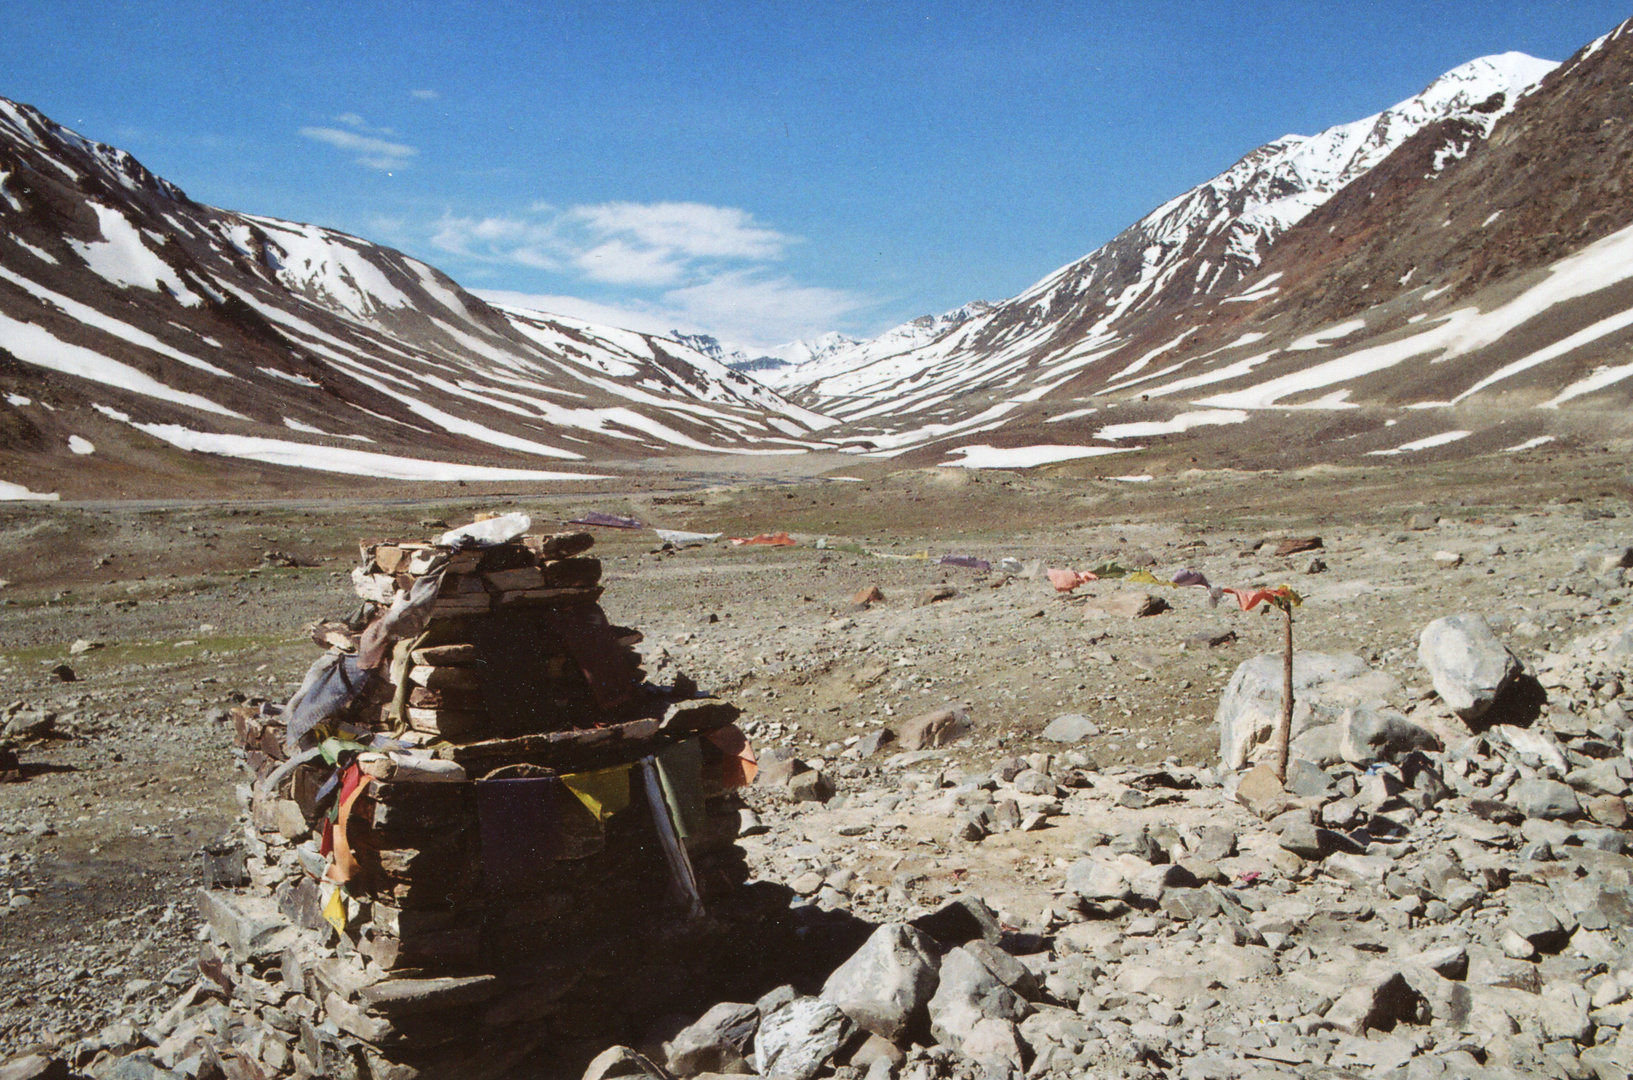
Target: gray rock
{"points": [[1033, 782], [252, 926], [968, 993], [1546, 799], [797, 1040], [1469, 665], [811, 786], [1151, 884], [32, 724], [940, 727], [620, 1061], [1250, 707], [1217, 842], [1307, 841], [1368, 735], [1539, 927], [959, 920], [719, 1042], [1005, 968], [1071, 727], [1188, 904], [994, 1042], [772, 1000], [407, 997], [1598, 559], [34, 1067], [1098, 881], [887, 981], [1140, 844], [1377, 1004], [1306, 778], [870, 744]]}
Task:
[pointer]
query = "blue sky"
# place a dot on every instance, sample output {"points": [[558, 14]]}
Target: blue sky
{"points": [[762, 171]]}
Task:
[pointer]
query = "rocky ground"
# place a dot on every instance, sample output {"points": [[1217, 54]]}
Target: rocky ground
{"points": [[1427, 904]]}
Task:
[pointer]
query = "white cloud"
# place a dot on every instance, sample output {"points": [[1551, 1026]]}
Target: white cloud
{"points": [[373, 152], [424, 95], [693, 230], [754, 313], [620, 263], [689, 266], [621, 243]]}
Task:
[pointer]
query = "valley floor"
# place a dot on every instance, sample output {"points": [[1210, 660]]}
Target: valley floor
{"points": [[193, 606]]}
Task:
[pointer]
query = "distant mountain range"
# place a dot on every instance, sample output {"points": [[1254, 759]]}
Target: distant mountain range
{"points": [[137, 325], [1453, 275], [1326, 291], [795, 354]]}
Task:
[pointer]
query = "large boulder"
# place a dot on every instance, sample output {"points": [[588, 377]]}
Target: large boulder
{"points": [[797, 1040], [719, 1042], [1547, 799], [1469, 666], [1323, 686], [968, 994], [941, 727], [1369, 734], [622, 1063], [887, 982]]}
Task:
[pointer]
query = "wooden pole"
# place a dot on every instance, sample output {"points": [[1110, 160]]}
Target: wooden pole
{"points": [[1285, 736]]}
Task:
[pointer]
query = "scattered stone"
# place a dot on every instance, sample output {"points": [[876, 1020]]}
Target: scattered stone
{"points": [[867, 596], [1262, 794], [721, 1041], [967, 994], [1070, 727], [810, 786], [618, 1062], [887, 982], [874, 741], [796, 1040], [1608, 810], [1128, 604], [1469, 665], [1377, 1004], [1367, 735], [1546, 799], [941, 727], [936, 594], [1295, 545]]}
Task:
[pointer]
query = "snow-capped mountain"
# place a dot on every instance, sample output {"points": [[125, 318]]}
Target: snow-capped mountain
{"points": [[1199, 244], [736, 359], [1451, 276], [143, 324], [772, 368]]}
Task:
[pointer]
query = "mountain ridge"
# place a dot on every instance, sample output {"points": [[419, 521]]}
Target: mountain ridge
{"points": [[152, 327]]}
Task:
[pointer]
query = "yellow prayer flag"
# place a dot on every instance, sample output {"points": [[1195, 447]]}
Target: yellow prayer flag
{"points": [[334, 912], [603, 792]]}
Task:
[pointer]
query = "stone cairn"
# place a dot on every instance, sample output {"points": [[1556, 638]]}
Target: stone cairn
{"points": [[377, 919]]}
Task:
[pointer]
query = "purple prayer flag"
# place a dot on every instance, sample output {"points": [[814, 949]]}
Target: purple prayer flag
{"points": [[1191, 577], [968, 561]]}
